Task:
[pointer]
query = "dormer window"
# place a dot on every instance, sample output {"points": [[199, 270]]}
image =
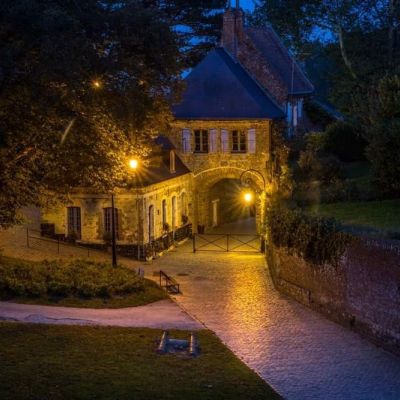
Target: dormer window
{"points": [[201, 141], [172, 162]]}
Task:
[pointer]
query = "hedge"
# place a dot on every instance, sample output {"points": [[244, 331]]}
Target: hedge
{"points": [[316, 239], [78, 278]]}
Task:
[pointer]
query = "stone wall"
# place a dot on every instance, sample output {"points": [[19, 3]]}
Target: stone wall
{"points": [[361, 292], [133, 210]]}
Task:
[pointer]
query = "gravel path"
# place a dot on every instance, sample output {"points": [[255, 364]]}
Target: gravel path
{"points": [[164, 314]]}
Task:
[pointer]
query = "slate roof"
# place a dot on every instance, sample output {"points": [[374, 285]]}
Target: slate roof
{"points": [[219, 88], [157, 169], [277, 56]]}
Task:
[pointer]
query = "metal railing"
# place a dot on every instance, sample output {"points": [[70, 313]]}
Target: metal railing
{"points": [[220, 242], [35, 239], [169, 283]]}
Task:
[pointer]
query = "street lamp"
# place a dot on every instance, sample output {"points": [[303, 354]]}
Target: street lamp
{"points": [[248, 197], [133, 165]]}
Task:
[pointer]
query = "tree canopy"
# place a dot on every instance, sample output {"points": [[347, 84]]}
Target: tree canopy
{"points": [[83, 85]]}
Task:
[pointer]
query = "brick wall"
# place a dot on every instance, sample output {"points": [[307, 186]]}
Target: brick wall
{"points": [[362, 292]]}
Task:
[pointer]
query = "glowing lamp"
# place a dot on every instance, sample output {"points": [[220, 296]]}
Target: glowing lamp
{"points": [[133, 163], [248, 197]]}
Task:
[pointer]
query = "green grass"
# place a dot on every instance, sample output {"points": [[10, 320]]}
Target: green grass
{"points": [[384, 215], [71, 362], [77, 283]]}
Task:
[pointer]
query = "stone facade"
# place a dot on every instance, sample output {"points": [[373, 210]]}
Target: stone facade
{"points": [[210, 168], [141, 212], [362, 292]]}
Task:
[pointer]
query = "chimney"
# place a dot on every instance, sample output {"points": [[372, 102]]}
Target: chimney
{"points": [[232, 28]]}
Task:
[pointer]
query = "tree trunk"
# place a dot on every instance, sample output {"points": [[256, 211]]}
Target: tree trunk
{"points": [[343, 52]]}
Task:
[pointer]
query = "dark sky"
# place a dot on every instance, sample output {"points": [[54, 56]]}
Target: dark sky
{"points": [[245, 4]]}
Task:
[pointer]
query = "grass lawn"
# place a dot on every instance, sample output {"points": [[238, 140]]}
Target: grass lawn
{"points": [[75, 362], [383, 215], [77, 283]]}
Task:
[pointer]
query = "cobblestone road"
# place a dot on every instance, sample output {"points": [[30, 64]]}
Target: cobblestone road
{"points": [[299, 352]]}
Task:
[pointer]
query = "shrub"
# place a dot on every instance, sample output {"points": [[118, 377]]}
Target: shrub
{"points": [[317, 240], [345, 142], [63, 279]]}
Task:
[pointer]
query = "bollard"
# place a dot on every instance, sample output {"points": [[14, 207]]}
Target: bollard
{"points": [[162, 347], [192, 345]]}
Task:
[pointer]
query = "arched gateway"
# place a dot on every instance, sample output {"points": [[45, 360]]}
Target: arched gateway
{"points": [[218, 197]]}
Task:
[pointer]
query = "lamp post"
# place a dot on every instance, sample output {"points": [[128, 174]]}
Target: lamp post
{"points": [[113, 233], [248, 196], [133, 165]]}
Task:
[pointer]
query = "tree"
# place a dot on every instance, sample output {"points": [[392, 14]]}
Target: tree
{"points": [[83, 85], [384, 134], [349, 43]]}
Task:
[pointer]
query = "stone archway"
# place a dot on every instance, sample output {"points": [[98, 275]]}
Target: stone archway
{"points": [[205, 181]]}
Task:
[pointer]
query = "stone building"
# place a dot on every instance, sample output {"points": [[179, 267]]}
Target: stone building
{"points": [[221, 133]]}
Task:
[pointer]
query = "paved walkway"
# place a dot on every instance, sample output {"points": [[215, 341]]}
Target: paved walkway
{"points": [[299, 352], [164, 314]]}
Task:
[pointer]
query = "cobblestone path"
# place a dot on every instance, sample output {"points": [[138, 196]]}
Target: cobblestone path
{"points": [[300, 353]]}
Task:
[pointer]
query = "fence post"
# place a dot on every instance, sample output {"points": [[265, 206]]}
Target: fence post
{"points": [[27, 237], [194, 243]]}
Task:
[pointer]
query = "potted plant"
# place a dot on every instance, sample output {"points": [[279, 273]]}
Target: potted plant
{"points": [[158, 248], [149, 252], [165, 227]]}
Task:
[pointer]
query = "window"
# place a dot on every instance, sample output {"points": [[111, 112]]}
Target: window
{"points": [[108, 221], [239, 142], [173, 212], [151, 223], [74, 221], [186, 141], [201, 141], [164, 212]]}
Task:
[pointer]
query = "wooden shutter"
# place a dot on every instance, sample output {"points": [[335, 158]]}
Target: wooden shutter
{"points": [[186, 141], [213, 140], [251, 141], [224, 141]]}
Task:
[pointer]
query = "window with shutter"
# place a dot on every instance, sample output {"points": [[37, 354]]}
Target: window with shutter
{"points": [[239, 144], [224, 141], [213, 140], [251, 141], [201, 141], [186, 141]]}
